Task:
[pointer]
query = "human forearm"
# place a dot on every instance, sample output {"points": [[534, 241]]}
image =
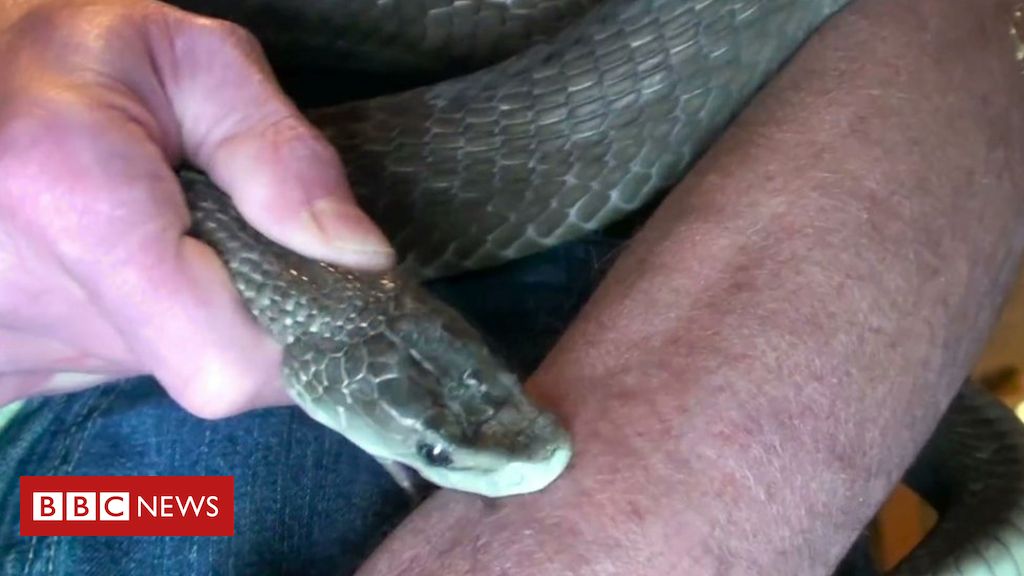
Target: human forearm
{"points": [[768, 355]]}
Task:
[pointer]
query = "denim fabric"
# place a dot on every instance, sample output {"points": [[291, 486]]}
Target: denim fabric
{"points": [[307, 501]]}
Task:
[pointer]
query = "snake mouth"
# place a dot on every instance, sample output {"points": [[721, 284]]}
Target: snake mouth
{"points": [[506, 477]]}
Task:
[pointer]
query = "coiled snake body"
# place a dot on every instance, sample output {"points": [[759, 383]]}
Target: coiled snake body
{"points": [[605, 106]]}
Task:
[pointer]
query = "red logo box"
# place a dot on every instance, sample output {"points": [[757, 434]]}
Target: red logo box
{"points": [[127, 505]]}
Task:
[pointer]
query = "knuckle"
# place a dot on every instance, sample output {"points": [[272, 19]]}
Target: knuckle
{"points": [[207, 408], [31, 117], [36, 129], [229, 34], [291, 137], [50, 119], [62, 160], [225, 371], [214, 390]]}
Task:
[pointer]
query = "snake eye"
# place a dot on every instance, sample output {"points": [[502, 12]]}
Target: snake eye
{"points": [[434, 455]]}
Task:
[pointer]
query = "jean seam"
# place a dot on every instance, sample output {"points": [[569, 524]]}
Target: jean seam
{"points": [[35, 540], [84, 417]]}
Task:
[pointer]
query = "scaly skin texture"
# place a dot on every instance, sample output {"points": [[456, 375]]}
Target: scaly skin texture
{"points": [[566, 138], [398, 373], [419, 38]]}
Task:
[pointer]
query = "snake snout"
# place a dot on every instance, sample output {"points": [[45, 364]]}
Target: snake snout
{"points": [[547, 456], [496, 472]]}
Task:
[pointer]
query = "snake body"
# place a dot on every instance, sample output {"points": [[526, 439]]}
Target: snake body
{"points": [[599, 115]]}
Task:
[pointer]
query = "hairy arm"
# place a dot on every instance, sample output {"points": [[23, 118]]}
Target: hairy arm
{"points": [[767, 357]]}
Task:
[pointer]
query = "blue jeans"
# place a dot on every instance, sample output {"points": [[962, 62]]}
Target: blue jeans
{"points": [[307, 501]]}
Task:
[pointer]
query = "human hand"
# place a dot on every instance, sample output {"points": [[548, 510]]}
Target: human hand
{"points": [[98, 101]]}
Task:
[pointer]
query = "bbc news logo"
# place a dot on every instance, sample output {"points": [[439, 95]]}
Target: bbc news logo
{"points": [[127, 505]]}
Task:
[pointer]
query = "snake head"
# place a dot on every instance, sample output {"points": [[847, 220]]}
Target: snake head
{"points": [[417, 385], [488, 438]]}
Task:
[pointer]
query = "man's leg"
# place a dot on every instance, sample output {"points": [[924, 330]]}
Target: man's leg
{"points": [[306, 500]]}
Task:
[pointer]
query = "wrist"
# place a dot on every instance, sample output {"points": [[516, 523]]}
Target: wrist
{"points": [[569, 530], [683, 471]]}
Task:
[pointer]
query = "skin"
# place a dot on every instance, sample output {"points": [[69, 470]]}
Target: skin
{"points": [[760, 365], [98, 100], [774, 347]]}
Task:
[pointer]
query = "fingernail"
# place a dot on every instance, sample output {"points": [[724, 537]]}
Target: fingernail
{"points": [[354, 240], [63, 382]]}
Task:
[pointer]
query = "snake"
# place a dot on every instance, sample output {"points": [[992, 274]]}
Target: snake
{"points": [[557, 118]]}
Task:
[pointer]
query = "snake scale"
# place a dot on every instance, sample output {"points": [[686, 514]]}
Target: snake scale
{"points": [[569, 115]]}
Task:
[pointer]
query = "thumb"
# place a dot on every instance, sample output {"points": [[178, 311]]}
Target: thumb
{"points": [[239, 127], [115, 222]]}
